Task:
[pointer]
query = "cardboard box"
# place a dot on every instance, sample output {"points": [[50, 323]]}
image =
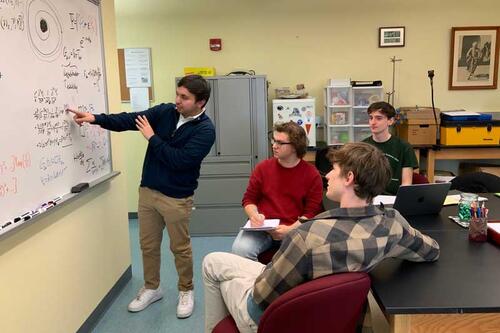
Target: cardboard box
{"points": [[417, 112], [203, 71], [418, 134], [417, 125]]}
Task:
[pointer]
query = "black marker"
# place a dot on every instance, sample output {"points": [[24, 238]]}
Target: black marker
{"points": [[26, 215], [6, 224], [32, 214]]}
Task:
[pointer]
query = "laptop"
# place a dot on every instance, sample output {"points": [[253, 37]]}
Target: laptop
{"points": [[421, 199]]}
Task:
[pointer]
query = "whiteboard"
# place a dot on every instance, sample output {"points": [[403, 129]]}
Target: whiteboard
{"points": [[51, 58]]}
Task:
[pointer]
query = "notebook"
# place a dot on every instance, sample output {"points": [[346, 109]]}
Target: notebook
{"points": [[421, 199]]}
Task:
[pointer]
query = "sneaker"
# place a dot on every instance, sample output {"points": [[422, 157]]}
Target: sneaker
{"points": [[186, 304], [144, 298]]}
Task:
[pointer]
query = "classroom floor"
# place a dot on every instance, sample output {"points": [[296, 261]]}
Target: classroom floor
{"points": [[160, 316]]}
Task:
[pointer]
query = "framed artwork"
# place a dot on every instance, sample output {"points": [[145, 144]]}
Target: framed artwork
{"points": [[473, 58], [391, 37]]}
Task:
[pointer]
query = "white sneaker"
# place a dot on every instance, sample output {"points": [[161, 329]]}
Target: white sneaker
{"points": [[186, 304], [144, 298]]}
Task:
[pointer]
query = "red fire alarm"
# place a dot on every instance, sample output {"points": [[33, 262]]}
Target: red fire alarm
{"points": [[215, 44]]}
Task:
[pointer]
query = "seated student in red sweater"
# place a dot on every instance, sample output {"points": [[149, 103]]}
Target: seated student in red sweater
{"points": [[284, 187]]}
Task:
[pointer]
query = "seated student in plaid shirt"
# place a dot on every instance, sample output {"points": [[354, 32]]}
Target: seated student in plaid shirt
{"points": [[355, 237]]}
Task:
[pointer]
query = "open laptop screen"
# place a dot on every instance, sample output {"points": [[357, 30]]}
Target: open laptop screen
{"points": [[421, 199]]}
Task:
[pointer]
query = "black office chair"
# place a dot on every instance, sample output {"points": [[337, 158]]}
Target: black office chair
{"points": [[323, 164], [476, 182]]}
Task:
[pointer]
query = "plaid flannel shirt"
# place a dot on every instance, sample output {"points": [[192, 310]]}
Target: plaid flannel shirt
{"points": [[341, 240]]}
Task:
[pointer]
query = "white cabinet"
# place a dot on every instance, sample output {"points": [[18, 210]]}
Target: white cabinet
{"points": [[345, 112]]}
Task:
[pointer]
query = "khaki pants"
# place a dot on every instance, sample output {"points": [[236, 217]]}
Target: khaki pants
{"points": [[156, 211], [228, 280]]}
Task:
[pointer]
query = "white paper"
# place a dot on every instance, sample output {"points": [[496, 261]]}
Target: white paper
{"points": [[453, 199], [460, 113], [139, 99], [138, 67], [384, 199], [494, 226], [463, 224], [269, 224]]}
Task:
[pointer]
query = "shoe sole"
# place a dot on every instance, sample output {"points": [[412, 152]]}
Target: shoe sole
{"points": [[140, 309], [184, 316]]}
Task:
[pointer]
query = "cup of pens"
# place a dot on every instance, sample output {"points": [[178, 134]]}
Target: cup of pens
{"points": [[478, 226]]}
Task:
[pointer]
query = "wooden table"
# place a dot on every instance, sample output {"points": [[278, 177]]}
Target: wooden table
{"points": [[457, 153]]}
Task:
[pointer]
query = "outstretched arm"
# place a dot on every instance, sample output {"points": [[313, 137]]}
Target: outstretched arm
{"points": [[82, 117]]}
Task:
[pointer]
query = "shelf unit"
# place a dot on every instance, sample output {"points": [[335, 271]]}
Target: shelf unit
{"points": [[345, 112]]}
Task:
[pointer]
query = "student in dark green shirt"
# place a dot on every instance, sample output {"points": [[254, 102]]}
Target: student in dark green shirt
{"points": [[399, 153]]}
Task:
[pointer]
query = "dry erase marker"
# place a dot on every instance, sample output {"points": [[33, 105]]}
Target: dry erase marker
{"points": [[32, 215], [19, 218], [44, 207], [6, 224], [55, 200]]}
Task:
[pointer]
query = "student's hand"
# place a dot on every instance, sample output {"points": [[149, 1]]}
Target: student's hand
{"points": [[257, 220], [280, 232], [82, 117], [142, 124]]}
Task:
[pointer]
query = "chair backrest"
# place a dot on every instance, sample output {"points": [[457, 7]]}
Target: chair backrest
{"points": [[330, 304], [476, 182], [419, 179]]}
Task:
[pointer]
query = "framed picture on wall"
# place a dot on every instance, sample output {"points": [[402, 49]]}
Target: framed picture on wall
{"points": [[391, 37], [474, 58]]}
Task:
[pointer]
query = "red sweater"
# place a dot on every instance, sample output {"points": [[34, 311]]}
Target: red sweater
{"points": [[285, 193]]}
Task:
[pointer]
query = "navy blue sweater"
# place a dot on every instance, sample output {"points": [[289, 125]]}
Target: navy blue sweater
{"points": [[173, 157]]}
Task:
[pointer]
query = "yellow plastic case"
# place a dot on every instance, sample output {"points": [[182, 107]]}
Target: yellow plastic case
{"points": [[470, 133]]}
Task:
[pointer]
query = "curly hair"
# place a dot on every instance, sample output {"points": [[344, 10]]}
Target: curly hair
{"points": [[296, 134]]}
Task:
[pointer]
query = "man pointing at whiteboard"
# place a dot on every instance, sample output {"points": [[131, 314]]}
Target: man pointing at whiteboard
{"points": [[179, 136]]}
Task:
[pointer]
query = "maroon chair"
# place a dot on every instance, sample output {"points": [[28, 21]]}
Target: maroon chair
{"points": [[332, 304], [419, 179], [266, 256]]}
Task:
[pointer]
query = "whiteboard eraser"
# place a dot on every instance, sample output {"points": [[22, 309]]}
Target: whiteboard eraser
{"points": [[80, 187]]}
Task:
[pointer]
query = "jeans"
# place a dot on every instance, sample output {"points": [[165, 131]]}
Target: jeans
{"points": [[249, 244]]}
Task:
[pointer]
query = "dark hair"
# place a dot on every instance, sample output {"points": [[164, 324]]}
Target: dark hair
{"points": [[296, 135], [370, 167], [383, 107], [197, 86]]}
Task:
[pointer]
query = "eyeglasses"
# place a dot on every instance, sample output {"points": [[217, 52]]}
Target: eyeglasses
{"points": [[279, 143]]}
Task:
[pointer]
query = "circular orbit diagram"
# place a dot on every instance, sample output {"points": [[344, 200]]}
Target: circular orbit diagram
{"points": [[44, 30]]}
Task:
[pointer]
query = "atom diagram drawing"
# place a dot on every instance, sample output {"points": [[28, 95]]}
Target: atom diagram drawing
{"points": [[44, 29]]}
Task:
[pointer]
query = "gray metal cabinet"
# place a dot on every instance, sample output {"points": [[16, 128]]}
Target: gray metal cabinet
{"points": [[238, 108]]}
